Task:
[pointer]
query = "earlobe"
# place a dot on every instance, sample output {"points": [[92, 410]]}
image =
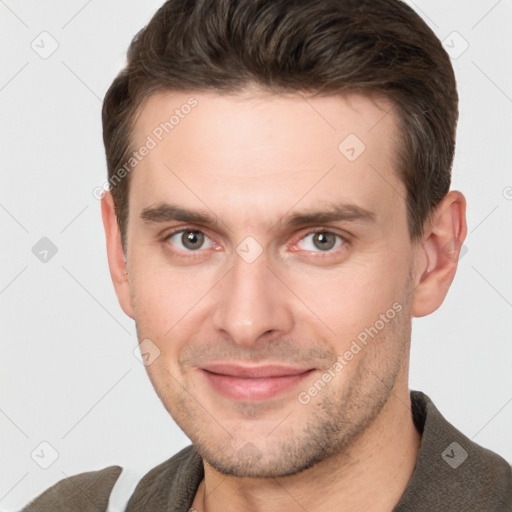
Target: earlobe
{"points": [[116, 257], [439, 253]]}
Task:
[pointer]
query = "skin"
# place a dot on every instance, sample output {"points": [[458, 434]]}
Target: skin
{"points": [[251, 160]]}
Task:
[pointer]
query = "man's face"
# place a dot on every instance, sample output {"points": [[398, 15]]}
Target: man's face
{"points": [[253, 308]]}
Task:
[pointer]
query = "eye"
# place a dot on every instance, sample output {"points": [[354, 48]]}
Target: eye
{"points": [[189, 240], [322, 241]]}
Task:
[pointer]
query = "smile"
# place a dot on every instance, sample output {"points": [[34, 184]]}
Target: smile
{"points": [[253, 383]]}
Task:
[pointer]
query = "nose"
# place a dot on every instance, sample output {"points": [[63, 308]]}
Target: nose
{"points": [[252, 303]]}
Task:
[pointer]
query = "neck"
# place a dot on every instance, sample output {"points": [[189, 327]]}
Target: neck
{"points": [[370, 475]]}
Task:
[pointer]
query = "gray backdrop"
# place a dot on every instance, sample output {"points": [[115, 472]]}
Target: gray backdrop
{"points": [[74, 396]]}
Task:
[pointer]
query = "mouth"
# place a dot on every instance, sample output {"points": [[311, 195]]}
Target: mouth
{"points": [[254, 383]]}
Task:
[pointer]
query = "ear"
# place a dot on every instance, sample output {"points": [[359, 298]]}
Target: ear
{"points": [[439, 252], [116, 256]]}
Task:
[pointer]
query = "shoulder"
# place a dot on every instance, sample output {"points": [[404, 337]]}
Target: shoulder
{"points": [[87, 492], [458, 448], [171, 485], [174, 481], [452, 471]]}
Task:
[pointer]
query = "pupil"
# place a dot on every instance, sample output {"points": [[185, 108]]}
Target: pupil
{"points": [[192, 239], [324, 241]]}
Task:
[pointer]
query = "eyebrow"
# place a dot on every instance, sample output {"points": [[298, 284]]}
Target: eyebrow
{"points": [[165, 212]]}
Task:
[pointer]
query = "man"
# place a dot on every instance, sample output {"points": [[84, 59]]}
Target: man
{"points": [[279, 210]]}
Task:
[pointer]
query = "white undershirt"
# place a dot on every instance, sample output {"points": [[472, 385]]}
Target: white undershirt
{"points": [[123, 490]]}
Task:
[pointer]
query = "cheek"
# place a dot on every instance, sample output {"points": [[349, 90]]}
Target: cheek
{"points": [[158, 283], [158, 301], [351, 298], [168, 303]]}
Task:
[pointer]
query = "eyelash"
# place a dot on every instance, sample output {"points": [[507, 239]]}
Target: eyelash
{"points": [[319, 254]]}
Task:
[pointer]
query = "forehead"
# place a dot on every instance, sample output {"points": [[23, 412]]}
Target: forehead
{"points": [[254, 150], [253, 114]]}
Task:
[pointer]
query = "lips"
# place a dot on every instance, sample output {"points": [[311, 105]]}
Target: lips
{"points": [[253, 383]]}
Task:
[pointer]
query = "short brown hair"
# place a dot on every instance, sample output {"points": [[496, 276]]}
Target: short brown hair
{"points": [[322, 46]]}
